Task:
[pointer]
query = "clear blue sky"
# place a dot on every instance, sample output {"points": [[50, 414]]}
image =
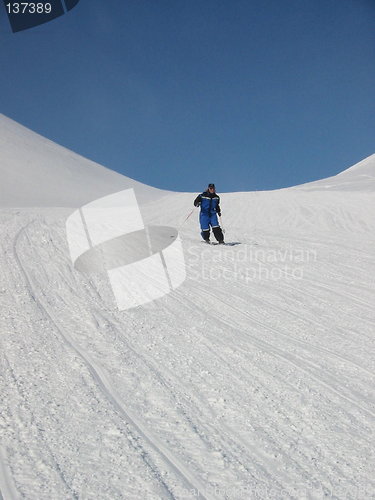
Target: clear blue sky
{"points": [[249, 94]]}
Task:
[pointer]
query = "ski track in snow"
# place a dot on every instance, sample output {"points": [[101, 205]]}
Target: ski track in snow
{"points": [[105, 385], [233, 389], [293, 360]]}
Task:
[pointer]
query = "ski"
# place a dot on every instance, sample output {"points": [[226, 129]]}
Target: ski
{"points": [[227, 244], [216, 243]]}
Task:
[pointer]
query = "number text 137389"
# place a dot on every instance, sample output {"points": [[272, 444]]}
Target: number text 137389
{"points": [[29, 8]]}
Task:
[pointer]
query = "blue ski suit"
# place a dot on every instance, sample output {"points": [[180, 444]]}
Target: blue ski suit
{"points": [[210, 209]]}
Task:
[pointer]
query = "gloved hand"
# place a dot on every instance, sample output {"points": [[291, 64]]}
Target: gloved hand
{"points": [[197, 204], [219, 214]]}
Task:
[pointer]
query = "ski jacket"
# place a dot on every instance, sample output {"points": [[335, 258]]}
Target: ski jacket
{"points": [[209, 203]]}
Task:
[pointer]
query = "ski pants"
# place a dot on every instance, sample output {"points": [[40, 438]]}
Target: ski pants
{"points": [[207, 221]]}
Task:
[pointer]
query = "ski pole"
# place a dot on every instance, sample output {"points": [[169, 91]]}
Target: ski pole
{"points": [[221, 224], [186, 218]]}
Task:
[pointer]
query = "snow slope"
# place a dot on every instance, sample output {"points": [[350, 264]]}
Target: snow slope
{"points": [[36, 172], [360, 177], [253, 380]]}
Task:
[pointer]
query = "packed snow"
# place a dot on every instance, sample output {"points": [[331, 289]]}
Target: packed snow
{"points": [[254, 379]]}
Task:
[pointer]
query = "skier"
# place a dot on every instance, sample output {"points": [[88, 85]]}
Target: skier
{"points": [[209, 202]]}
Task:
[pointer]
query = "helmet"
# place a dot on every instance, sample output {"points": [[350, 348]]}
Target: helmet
{"points": [[211, 186]]}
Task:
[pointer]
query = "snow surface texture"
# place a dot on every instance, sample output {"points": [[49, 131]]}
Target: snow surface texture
{"points": [[252, 380]]}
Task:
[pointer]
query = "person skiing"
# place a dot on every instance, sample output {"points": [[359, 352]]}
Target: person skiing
{"points": [[209, 202]]}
